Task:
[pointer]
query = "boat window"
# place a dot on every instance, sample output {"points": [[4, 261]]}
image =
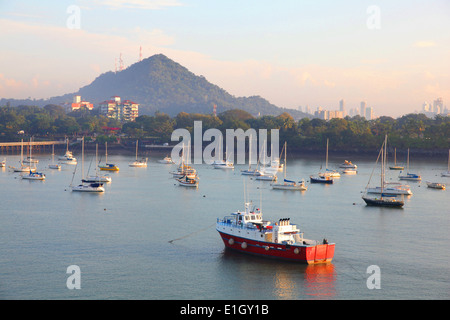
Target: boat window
{"points": [[253, 217], [240, 218], [259, 217], [246, 218]]}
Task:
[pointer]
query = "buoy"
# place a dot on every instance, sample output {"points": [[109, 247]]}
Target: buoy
{"points": [[296, 250], [231, 241], [244, 245], [266, 248]]}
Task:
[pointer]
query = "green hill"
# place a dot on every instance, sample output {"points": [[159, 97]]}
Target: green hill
{"points": [[161, 84]]}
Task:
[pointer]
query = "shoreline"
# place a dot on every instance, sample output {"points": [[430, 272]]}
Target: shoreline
{"points": [[120, 149]]}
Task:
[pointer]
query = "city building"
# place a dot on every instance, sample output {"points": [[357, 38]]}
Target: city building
{"points": [[362, 109], [78, 104], [342, 107], [125, 110]]}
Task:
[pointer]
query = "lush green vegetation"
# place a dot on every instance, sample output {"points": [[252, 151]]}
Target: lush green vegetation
{"points": [[409, 131]]}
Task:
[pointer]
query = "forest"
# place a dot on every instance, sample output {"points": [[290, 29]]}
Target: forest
{"points": [[350, 134]]}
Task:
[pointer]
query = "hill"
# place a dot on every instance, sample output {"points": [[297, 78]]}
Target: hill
{"points": [[160, 84]]}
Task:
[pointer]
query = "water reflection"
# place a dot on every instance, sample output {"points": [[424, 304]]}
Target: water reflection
{"points": [[263, 278]]}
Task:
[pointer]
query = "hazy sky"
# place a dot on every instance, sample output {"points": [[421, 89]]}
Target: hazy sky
{"points": [[393, 54]]}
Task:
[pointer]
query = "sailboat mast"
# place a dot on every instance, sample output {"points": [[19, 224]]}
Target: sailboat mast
{"points": [[136, 148], [82, 158], [285, 150], [326, 161]]}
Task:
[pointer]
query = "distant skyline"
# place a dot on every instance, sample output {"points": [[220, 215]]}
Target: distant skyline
{"points": [[392, 54]]}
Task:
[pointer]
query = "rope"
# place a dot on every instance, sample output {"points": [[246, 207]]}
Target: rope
{"points": [[190, 234]]}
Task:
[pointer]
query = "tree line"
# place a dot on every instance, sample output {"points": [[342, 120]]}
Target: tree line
{"points": [[351, 133]]}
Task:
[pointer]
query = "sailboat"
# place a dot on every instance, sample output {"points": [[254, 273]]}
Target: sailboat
{"points": [[90, 186], [3, 163], [266, 173], [289, 184], [409, 176], [250, 171], [447, 174], [33, 175], [223, 164], [108, 166], [54, 165], [22, 168], [184, 169], [326, 177], [329, 172], [185, 181], [97, 177], [166, 160], [138, 163], [68, 157], [395, 166], [383, 200]]}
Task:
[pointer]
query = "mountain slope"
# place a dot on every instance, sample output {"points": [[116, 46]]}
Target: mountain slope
{"points": [[161, 84]]}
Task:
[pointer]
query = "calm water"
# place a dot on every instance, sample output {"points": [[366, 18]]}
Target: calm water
{"points": [[121, 239]]}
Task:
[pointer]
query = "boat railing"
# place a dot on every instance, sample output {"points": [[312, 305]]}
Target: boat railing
{"points": [[231, 221]]}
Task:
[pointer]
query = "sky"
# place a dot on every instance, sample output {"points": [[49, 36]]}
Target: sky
{"points": [[395, 55]]}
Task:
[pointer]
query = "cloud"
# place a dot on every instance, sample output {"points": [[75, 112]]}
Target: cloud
{"points": [[424, 44], [140, 4]]}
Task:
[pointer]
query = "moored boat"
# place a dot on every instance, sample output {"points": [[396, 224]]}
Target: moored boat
{"points": [[166, 160], [347, 164], [321, 179], [436, 185], [384, 200], [247, 232], [185, 181], [34, 176]]}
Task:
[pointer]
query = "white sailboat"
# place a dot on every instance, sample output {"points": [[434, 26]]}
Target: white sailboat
{"points": [[409, 176], [223, 164], [329, 172], [93, 187], [33, 175], [22, 168], [166, 160], [447, 174], [54, 165], [250, 171], [289, 184], [97, 178], [68, 157], [138, 163], [395, 166], [266, 174]]}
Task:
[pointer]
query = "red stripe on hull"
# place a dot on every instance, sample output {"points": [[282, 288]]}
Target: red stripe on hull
{"points": [[322, 253]]}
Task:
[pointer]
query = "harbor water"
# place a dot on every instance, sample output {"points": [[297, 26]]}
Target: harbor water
{"points": [[146, 237]]}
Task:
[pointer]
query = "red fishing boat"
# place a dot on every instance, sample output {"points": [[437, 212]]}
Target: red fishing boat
{"points": [[248, 232]]}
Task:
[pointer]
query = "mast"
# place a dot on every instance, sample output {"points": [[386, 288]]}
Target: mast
{"points": [[136, 148], [383, 163], [285, 149], [82, 158], [326, 161]]}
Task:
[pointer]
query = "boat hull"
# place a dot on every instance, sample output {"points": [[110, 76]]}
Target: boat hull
{"points": [[383, 203], [289, 187], [321, 180], [317, 254]]}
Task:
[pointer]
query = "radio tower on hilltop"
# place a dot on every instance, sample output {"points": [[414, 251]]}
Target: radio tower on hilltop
{"points": [[120, 63]]}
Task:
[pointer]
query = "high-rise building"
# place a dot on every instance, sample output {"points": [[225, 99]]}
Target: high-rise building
{"points": [[342, 107], [363, 107], [438, 105], [116, 109], [369, 113]]}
